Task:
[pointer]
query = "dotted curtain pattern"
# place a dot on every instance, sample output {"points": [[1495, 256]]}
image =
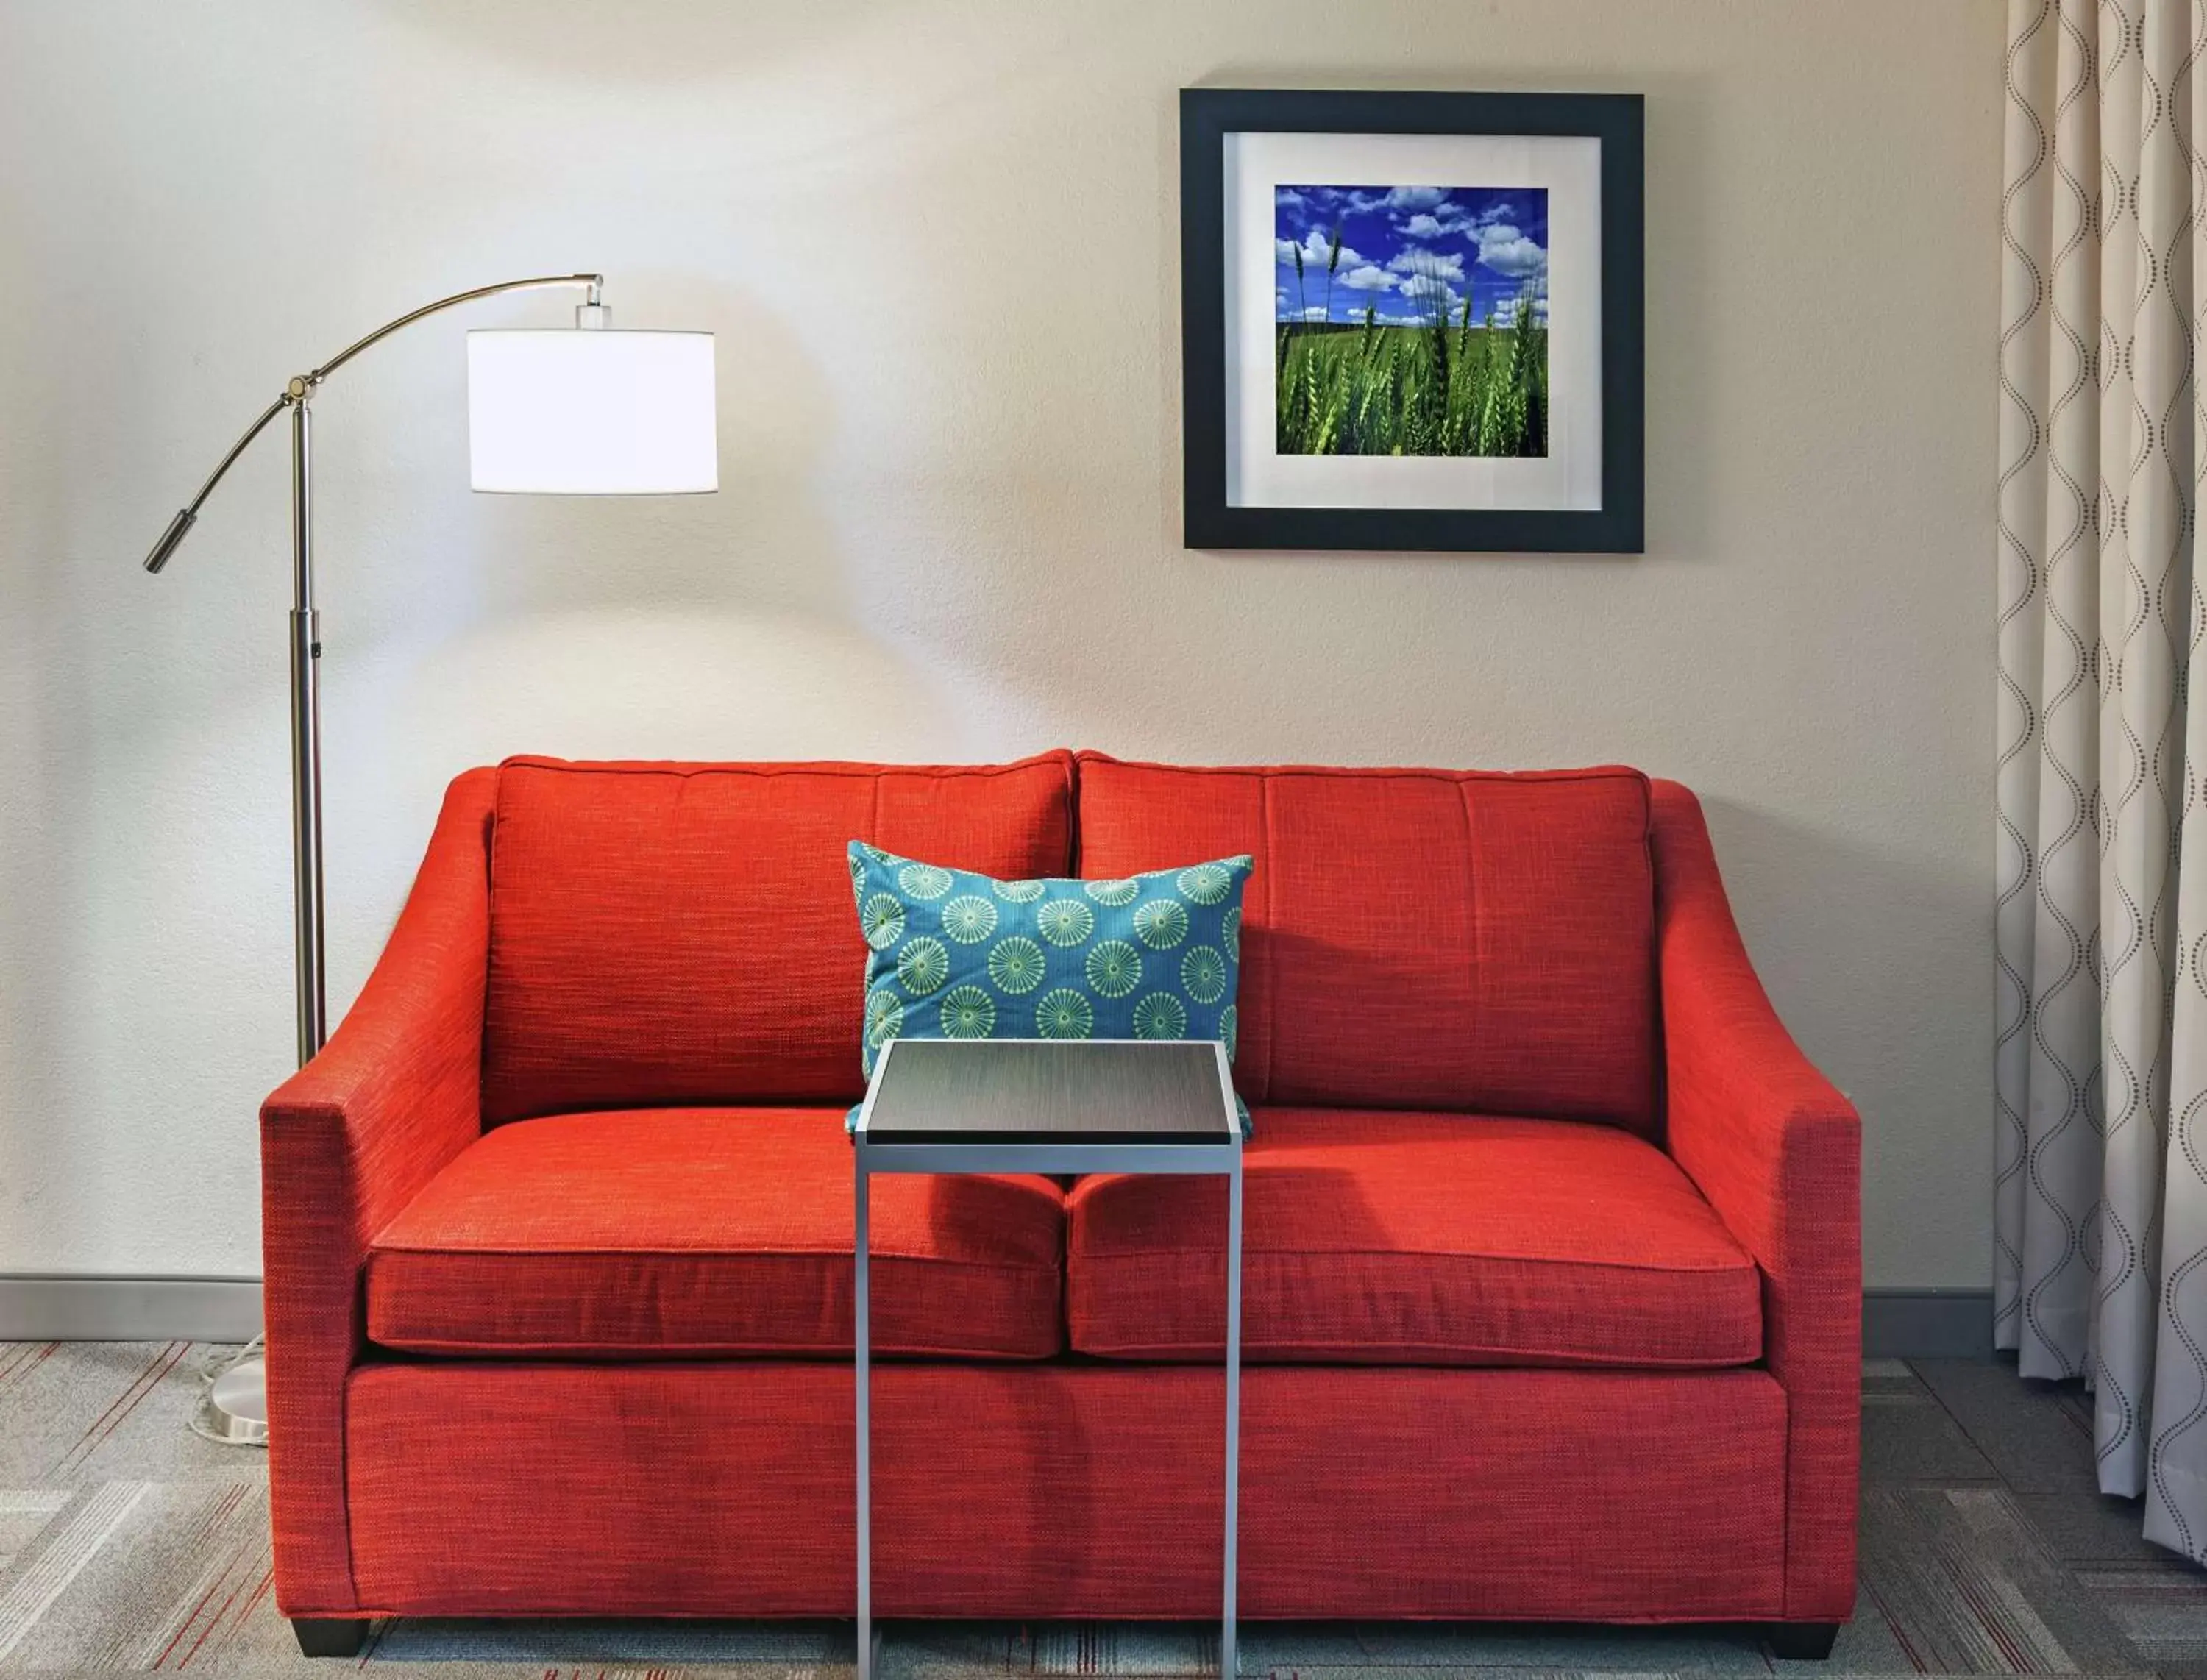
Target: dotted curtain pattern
{"points": [[2101, 1169]]}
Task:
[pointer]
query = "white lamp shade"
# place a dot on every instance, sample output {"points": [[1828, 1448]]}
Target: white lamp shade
{"points": [[590, 412]]}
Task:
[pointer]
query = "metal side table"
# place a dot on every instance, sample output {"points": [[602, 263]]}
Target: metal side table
{"points": [[1045, 1105]]}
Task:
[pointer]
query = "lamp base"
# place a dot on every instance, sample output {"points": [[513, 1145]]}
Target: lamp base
{"points": [[234, 1410]]}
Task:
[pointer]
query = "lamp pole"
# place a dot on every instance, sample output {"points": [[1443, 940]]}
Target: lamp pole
{"points": [[236, 1407], [309, 971]]}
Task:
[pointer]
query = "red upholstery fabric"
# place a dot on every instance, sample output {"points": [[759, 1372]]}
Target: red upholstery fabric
{"points": [[1418, 939], [1779, 1152], [1418, 1238], [666, 933], [706, 1489], [344, 1143], [672, 1231]]}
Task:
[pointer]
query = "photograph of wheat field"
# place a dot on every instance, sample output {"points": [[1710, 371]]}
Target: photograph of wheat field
{"points": [[1411, 320]]}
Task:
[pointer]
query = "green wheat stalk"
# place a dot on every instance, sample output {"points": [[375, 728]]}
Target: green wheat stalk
{"points": [[1332, 262]]}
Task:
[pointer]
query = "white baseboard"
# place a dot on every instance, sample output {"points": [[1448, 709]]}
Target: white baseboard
{"points": [[87, 1307]]}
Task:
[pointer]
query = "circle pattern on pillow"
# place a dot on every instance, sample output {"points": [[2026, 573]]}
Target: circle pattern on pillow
{"points": [[881, 920], [923, 880], [1160, 1015], [884, 1016], [969, 918], [1114, 968], [968, 1013], [1162, 924], [1064, 1013], [922, 964], [1016, 965], [1206, 883], [1065, 922], [1203, 974]]}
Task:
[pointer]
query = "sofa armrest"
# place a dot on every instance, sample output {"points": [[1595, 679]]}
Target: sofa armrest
{"points": [[344, 1143], [1777, 1151]]}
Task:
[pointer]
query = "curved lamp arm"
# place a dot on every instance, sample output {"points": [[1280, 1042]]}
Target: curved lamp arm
{"points": [[303, 386]]}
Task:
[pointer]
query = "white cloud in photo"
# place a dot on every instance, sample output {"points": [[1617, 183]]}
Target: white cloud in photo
{"points": [[1329, 199], [1502, 248], [1415, 198], [1368, 278], [1443, 222], [1433, 295], [1504, 309], [1506, 251], [1418, 260], [1317, 251], [1349, 201]]}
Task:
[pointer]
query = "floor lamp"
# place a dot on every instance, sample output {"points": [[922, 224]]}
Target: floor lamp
{"points": [[585, 411]]}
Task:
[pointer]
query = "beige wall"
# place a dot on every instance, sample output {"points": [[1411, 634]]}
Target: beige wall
{"points": [[938, 242]]}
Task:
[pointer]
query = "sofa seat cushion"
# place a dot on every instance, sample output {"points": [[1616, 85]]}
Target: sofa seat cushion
{"points": [[670, 1232], [1431, 1239]]}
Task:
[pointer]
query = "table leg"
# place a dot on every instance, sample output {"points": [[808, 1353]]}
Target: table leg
{"points": [[863, 1363], [1228, 1662]]}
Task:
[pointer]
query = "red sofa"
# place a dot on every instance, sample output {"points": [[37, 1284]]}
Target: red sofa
{"points": [[1553, 1272]]}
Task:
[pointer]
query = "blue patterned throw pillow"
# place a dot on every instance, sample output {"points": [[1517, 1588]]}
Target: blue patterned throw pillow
{"points": [[952, 955]]}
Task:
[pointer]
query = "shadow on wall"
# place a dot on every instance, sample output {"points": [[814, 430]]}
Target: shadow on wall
{"points": [[1826, 895], [1905, 938]]}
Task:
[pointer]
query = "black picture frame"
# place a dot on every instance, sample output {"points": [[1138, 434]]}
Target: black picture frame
{"points": [[1207, 115]]}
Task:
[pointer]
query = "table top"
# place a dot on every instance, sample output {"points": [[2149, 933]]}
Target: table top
{"points": [[1049, 1091]]}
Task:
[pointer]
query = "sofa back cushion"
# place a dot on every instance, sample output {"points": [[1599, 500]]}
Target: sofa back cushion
{"points": [[1419, 939], [682, 933]]}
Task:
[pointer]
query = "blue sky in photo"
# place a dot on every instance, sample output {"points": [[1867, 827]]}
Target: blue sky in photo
{"points": [[1410, 251]]}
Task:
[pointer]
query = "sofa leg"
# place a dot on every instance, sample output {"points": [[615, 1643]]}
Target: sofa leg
{"points": [[1801, 1641], [321, 1637]]}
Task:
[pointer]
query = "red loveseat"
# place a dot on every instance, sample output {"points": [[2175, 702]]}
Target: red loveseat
{"points": [[1552, 1274]]}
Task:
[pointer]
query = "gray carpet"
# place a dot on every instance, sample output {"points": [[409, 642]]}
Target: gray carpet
{"points": [[127, 1543]]}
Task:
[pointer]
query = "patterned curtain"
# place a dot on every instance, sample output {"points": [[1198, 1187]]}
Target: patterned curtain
{"points": [[2101, 1264]]}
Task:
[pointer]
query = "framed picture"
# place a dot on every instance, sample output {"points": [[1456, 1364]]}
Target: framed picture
{"points": [[1412, 320]]}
